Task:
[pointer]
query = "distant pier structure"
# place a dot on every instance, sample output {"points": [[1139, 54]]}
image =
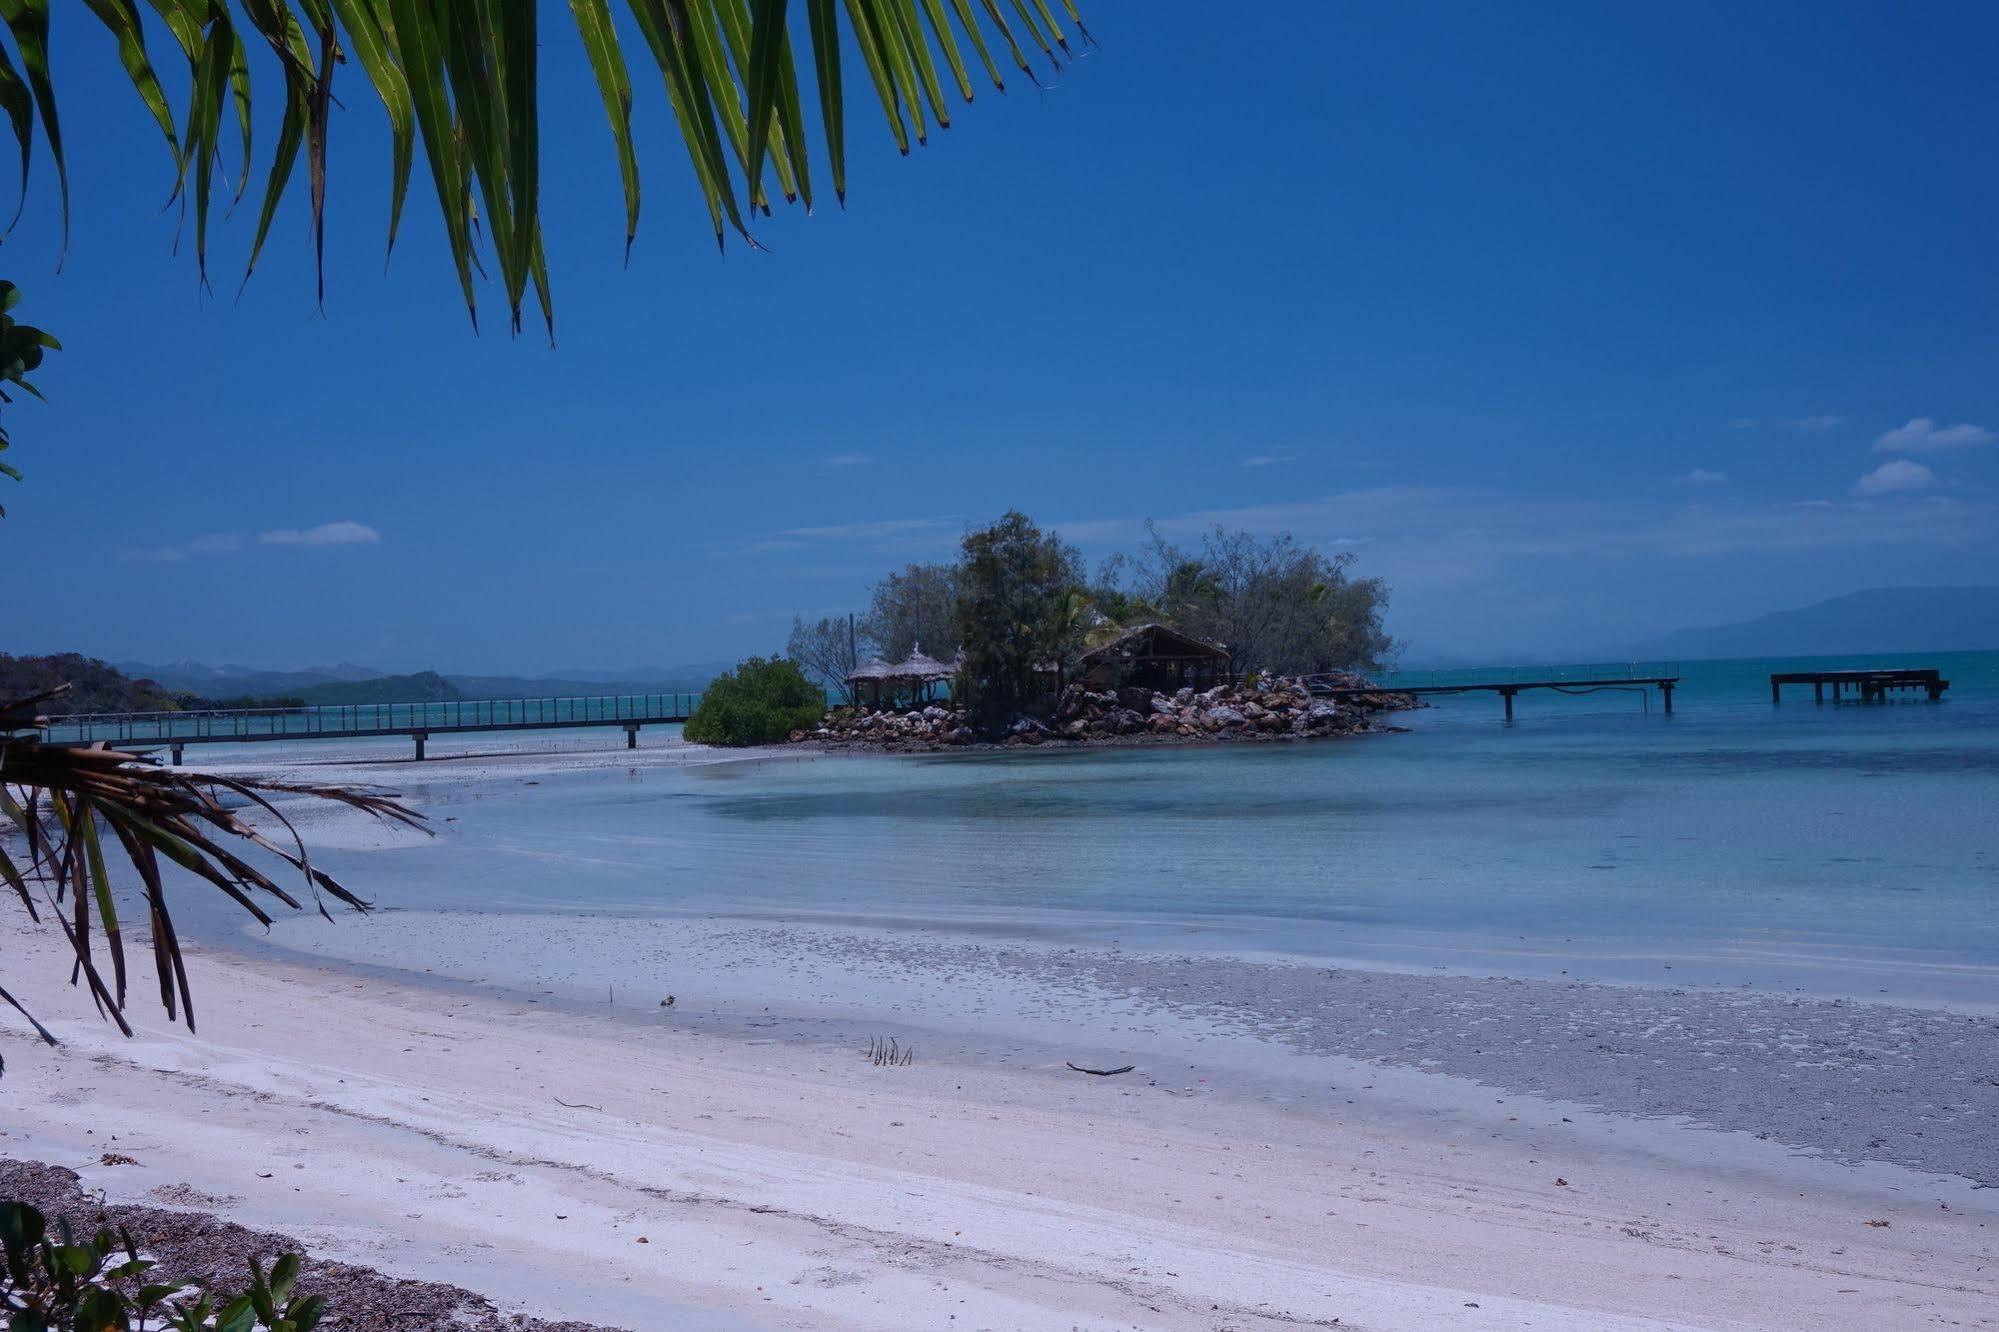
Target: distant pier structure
{"points": [[1867, 686], [1507, 689]]}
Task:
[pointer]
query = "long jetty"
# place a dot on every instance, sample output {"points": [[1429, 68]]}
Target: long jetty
{"points": [[353, 721], [1870, 686], [1507, 689]]}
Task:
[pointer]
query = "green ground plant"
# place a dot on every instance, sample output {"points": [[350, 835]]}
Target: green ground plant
{"points": [[100, 1283]]}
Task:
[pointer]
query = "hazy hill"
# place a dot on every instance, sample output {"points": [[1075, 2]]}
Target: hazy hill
{"points": [[198, 677], [94, 686], [1881, 619], [422, 687], [348, 683]]}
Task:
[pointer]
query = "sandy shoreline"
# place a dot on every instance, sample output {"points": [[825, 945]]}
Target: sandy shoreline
{"points": [[498, 1101], [785, 1182]]}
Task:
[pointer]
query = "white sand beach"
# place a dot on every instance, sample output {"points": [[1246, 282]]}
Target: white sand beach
{"points": [[641, 1173]]}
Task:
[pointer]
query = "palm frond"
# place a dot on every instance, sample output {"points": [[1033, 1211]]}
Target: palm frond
{"points": [[57, 803], [462, 76]]}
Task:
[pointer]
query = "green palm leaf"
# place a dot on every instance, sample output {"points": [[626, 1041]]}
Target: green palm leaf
{"points": [[462, 76]]}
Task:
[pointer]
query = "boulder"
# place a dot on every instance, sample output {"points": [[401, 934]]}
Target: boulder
{"points": [[1162, 705], [1222, 716]]}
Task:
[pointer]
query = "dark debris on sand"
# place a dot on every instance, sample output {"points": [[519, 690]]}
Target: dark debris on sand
{"points": [[198, 1247]]}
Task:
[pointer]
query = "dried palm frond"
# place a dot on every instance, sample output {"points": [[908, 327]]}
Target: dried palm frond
{"points": [[59, 802]]}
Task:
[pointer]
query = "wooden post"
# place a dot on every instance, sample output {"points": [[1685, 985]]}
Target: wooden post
{"points": [[1507, 694], [632, 736], [1818, 691], [177, 753], [419, 737], [1666, 691], [1776, 691]]}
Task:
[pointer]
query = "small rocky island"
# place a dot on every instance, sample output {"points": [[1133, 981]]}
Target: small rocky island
{"points": [[1271, 708]]}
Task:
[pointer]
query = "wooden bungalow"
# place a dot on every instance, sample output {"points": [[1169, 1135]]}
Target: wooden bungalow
{"points": [[1153, 656]]}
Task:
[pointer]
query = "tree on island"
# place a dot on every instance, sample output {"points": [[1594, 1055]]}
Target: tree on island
{"points": [[1273, 602], [1020, 598], [916, 606], [827, 650], [460, 79]]}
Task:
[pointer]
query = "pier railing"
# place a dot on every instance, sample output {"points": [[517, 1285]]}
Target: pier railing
{"points": [[331, 721]]}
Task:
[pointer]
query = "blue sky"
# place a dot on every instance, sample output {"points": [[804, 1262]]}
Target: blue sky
{"points": [[1576, 322]]}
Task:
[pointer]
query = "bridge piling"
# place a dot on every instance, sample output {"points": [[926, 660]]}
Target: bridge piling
{"points": [[419, 737], [178, 750], [631, 735]]}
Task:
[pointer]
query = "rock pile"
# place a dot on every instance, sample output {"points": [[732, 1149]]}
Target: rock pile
{"points": [[1274, 707]]}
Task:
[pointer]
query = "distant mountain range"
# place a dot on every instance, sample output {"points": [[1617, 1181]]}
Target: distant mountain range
{"points": [[348, 683], [1880, 619]]}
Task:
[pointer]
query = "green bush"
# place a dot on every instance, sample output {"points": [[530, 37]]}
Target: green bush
{"points": [[63, 1284], [761, 702]]}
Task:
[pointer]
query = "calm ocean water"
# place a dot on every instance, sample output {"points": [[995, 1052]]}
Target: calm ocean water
{"points": [[1852, 849]]}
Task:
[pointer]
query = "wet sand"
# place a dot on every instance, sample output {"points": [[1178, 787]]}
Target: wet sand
{"points": [[780, 1179]]}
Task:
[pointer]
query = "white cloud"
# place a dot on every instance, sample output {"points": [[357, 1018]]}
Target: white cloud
{"points": [[846, 460], [868, 531], [1894, 478], [1813, 424], [1270, 459], [1701, 476], [343, 533], [1923, 435]]}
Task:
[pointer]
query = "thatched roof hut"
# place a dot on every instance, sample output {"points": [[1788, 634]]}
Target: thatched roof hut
{"points": [[873, 669], [1155, 655], [927, 669], [917, 674]]}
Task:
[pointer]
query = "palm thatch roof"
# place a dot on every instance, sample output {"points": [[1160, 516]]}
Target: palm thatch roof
{"points": [[916, 666], [874, 668], [1155, 642], [919, 666]]}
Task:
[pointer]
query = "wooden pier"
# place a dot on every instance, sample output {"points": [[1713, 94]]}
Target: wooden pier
{"points": [[174, 731], [1869, 686], [1506, 689]]}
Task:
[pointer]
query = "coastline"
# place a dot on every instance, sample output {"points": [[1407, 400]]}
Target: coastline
{"points": [[783, 1180]]}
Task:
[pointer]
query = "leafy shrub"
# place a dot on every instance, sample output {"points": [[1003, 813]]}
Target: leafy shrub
{"points": [[98, 1285], [761, 702]]}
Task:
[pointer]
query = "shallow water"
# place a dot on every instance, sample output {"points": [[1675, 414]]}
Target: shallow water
{"points": [[1843, 849]]}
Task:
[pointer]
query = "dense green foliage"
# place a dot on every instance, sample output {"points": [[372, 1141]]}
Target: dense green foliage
{"points": [[762, 701], [61, 1283], [21, 348], [1020, 614]]}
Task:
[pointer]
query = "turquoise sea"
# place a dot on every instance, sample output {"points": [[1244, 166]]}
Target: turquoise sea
{"points": [[1848, 849]]}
